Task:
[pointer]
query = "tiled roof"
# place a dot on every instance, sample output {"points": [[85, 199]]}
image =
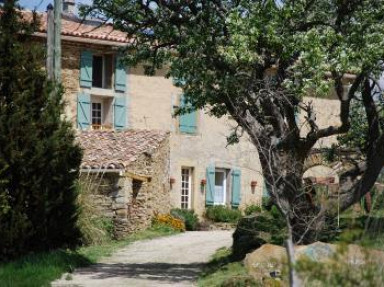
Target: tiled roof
{"points": [[117, 149], [73, 26]]}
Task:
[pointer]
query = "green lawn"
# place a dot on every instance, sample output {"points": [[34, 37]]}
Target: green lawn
{"points": [[40, 269]]}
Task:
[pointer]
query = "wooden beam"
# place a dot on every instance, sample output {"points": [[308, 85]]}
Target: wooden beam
{"points": [[144, 178]]}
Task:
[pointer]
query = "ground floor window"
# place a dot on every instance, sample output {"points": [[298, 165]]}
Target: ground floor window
{"points": [[186, 187], [220, 195]]}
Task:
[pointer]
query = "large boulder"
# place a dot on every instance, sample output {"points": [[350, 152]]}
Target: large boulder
{"points": [[255, 230], [268, 260]]}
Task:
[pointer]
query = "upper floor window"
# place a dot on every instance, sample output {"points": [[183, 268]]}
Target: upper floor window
{"points": [[104, 71]]}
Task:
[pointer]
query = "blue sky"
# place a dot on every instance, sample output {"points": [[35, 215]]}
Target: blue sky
{"points": [[41, 5]]}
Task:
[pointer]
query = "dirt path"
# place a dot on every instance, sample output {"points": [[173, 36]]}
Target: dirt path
{"points": [[169, 261]]}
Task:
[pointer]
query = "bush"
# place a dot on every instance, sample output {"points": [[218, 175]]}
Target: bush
{"points": [[220, 213], [189, 217], [168, 221], [251, 209], [257, 229]]}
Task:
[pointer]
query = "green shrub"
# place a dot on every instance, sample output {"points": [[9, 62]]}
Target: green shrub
{"points": [[250, 209], [220, 213], [189, 217]]}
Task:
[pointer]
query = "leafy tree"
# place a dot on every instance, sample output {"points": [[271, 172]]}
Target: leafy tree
{"points": [[39, 160], [256, 61]]}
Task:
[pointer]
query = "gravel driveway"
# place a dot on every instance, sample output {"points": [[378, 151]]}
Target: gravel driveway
{"points": [[168, 261]]}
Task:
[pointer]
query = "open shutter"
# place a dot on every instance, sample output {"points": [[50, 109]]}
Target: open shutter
{"points": [[236, 188], [120, 113], [265, 189], [210, 188], [86, 59], [120, 76], [187, 121], [83, 111]]}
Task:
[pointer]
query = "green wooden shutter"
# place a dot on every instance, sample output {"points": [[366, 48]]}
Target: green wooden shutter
{"points": [[83, 111], [236, 188], [120, 113], [210, 187], [120, 76], [187, 122], [265, 189], [86, 59]]}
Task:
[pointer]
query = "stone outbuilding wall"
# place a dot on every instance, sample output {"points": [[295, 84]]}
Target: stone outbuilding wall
{"points": [[131, 197]]}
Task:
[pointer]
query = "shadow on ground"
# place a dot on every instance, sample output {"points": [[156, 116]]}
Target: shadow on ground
{"points": [[149, 271]]}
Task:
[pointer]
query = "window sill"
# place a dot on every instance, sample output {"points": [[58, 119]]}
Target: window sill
{"points": [[101, 127], [102, 92]]}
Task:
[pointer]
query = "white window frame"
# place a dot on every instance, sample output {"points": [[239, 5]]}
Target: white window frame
{"points": [[224, 171], [188, 188], [97, 101]]}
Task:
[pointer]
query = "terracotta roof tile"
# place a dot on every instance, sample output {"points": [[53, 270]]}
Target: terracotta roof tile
{"points": [[117, 149], [73, 26]]}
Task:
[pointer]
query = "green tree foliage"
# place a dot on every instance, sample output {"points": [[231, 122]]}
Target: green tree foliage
{"points": [[39, 160], [256, 61]]}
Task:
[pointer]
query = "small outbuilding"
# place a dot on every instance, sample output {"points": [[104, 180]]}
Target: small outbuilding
{"points": [[127, 174]]}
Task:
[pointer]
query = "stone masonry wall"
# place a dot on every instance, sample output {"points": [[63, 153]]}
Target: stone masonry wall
{"points": [[153, 196], [113, 196]]}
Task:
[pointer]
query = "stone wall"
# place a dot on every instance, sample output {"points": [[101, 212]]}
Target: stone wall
{"points": [[131, 207]]}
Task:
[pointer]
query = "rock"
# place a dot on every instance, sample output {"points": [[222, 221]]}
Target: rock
{"points": [[268, 260], [265, 261], [317, 251]]}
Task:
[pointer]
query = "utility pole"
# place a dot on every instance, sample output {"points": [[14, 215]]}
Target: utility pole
{"points": [[57, 49], [50, 42]]}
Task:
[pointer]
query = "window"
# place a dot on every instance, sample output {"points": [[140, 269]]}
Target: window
{"points": [[101, 113], [96, 115], [220, 194], [102, 70], [186, 187]]}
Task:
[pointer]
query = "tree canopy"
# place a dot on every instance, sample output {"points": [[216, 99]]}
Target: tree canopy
{"points": [[257, 61]]}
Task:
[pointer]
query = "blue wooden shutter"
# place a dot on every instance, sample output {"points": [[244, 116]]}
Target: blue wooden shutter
{"points": [[187, 122], [210, 187], [83, 111], [120, 113], [120, 75], [236, 188], [86, 60], [265, 189]]}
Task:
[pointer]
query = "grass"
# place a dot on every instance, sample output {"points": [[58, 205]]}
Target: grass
{"points": [[38, 270], [221, 272]]}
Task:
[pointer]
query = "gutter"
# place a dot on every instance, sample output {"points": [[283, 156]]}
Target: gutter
{"points": [[84, 40]]}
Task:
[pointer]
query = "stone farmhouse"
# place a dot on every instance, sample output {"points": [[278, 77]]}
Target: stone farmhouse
{"points": [[126, 125]]}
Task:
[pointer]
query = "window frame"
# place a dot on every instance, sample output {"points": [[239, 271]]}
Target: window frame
{"points": [[225, 172], [188, 203], [97, 101]]}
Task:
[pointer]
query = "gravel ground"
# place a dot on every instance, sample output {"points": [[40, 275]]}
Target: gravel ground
{"points": [[168, 261]]}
